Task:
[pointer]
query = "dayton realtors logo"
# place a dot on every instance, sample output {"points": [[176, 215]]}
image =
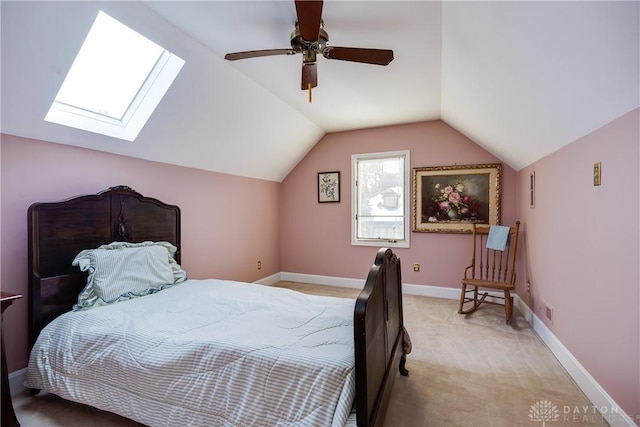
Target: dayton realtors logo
{"points": [[543, 411]]}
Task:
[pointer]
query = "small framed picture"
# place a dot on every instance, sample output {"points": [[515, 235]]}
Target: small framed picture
{"points": [[328, 187]]}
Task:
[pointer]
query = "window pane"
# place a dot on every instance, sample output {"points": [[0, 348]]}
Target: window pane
{"points": [[110, 68], [380, 199]]}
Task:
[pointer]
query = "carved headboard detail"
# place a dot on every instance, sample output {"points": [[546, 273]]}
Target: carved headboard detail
{"points": [[121, 230]]}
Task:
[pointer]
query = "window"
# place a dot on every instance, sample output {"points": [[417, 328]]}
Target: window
{"points": [[115, 82], [380, 204]]}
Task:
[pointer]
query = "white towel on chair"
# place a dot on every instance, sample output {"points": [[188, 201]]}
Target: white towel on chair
{"points": [[498, 235]]}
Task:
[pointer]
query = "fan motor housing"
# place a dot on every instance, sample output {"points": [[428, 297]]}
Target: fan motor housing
{"points": [[301, 45]]}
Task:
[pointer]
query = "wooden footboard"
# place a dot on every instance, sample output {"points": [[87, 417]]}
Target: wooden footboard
{"points": [[379, 333]]}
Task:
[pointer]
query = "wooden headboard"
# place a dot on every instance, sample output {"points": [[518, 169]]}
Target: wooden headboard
{"points": [[58, 231]]}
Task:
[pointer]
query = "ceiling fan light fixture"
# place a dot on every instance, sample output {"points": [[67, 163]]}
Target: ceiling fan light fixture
{"points": [[309, 56]]}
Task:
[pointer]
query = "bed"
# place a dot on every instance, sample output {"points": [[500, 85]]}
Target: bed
{"points": [[202, 352]]}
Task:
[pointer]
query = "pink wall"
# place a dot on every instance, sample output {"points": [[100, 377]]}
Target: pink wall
{"points": [[228, 222], [582, 253], [316, 237], [576, 259]]}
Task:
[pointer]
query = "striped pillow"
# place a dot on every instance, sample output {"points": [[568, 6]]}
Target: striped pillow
{"points": [[121, 271]]}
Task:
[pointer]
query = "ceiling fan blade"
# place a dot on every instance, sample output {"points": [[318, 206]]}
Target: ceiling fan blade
{"points": [[258, 53], [309, 75], [309, 18], [356, 54]]}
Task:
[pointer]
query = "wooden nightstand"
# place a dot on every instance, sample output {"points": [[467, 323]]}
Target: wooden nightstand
{"points": [[8, 415]]}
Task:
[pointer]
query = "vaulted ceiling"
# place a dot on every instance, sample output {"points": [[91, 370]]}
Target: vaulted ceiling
{"points": [[521, 79]]}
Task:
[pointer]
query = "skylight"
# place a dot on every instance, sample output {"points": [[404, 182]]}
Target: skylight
{"points": [[115, 82]]}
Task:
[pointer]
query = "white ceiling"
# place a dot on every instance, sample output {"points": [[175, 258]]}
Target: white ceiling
{"points": [[522, 79]]}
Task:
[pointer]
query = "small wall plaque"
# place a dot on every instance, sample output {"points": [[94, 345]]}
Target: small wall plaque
{"points": [[597, 173]]}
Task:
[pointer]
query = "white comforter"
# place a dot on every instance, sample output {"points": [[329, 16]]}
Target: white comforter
{"points": [[206, 353]]}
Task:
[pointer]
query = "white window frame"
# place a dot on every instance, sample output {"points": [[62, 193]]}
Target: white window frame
{"points": [[136, 116], [406, 242]]}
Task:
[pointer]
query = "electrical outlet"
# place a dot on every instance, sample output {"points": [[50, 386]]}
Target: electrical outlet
{"points": [[259, 265], [528, 287], [416, 267]]}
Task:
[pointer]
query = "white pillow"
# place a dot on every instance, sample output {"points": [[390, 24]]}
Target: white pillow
{"points": [[120, 271]]}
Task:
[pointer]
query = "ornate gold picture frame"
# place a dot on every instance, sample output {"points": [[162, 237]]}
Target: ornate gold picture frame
{"points": [[449, 199]]}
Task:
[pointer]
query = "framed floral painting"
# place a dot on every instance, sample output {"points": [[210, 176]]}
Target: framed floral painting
{"points": [[449, 199]]}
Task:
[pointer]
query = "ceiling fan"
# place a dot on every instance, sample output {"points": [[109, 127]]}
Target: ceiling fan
{"points": [[310, 39]]}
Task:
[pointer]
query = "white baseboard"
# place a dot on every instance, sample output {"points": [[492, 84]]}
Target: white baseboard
{"points": [[407, 288], [600, 399], [322, 280], [270, 280]]}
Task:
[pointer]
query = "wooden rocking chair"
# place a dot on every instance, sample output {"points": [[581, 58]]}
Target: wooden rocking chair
{"points": [[490, 269]]}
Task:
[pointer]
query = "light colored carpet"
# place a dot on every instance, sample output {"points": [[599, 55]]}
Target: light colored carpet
{"points": [[464, 371]]}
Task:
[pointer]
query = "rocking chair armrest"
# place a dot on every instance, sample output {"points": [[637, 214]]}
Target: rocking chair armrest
{"points": [[467, 269]]}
